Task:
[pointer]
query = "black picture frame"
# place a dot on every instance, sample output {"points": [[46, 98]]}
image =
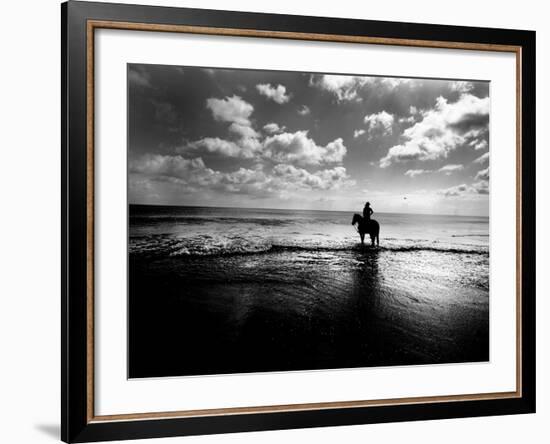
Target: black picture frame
{"points": [[77, 425]]}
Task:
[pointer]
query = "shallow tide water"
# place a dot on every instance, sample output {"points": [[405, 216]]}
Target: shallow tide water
{"points": [[217, 291]]}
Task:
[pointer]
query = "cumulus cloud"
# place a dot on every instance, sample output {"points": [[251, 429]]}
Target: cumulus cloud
{"points": [[478, 144], [414, 173], [451, 168], [409, 119], [237, 112], [441, 130], [276, 93], [456, 190], [345, 88], [273, 128], [304, 110], [358, 132], [483, 174], [193, 173], [298, 148], [243, 180], [482, 159], [413, 111], [160, 165], [379, 123], [479, 187], [393, 82], [279, 147], [216, 145], [231, 109], [461, 86], [322, 180], [244, 131], [348, 88]]}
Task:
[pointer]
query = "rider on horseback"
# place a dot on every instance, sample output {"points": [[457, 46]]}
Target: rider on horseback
{"points": [[367, 211], [366, 225]]}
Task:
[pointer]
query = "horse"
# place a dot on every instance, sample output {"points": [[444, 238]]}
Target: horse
{"points": [[370, 227]]}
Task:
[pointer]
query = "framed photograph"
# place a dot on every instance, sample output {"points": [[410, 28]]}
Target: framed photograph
{"points": [[276, 221]]}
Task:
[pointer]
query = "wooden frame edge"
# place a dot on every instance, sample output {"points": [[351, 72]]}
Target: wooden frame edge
{"points": [[91, 25], [337, 38], [284, 408]]}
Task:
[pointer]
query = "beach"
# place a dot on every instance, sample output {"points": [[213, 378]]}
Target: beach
{"points": [[233, 290]]}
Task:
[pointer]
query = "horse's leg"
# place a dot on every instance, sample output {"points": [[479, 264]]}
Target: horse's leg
{"points": [[372, 240], [362, 238]]}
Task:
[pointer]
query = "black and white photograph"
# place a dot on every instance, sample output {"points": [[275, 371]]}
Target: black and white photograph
{"points": [[284, 221], [264, 222]]}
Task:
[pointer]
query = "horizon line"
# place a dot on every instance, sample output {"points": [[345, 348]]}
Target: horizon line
{"points": [[303, 209]]}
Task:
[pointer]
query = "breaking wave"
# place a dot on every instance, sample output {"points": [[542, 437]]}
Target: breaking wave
{"points": [[206, 246], [200, 220]]}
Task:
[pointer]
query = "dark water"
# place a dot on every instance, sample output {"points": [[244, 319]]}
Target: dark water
{"points": [[217, 290]]}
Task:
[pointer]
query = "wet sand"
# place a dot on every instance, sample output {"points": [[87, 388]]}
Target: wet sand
{"points": [[305, 310]]}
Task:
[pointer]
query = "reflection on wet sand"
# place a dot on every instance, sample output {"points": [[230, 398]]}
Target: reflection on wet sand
{"points": [[299, 310]]}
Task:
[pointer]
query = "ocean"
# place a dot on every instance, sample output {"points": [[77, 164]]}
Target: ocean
{"points": [[237, 290]]}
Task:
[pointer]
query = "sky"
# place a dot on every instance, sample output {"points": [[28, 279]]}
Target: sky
{"points": [[281, 139]]}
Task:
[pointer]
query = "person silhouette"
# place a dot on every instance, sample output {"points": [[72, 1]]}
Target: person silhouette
{"points": [[367, 211]]}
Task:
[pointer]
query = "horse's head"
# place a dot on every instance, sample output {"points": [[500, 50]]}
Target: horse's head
{"points": [[356, 219]]}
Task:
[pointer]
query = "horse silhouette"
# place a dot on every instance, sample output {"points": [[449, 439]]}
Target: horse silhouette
{"points": [[364, 226]]}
